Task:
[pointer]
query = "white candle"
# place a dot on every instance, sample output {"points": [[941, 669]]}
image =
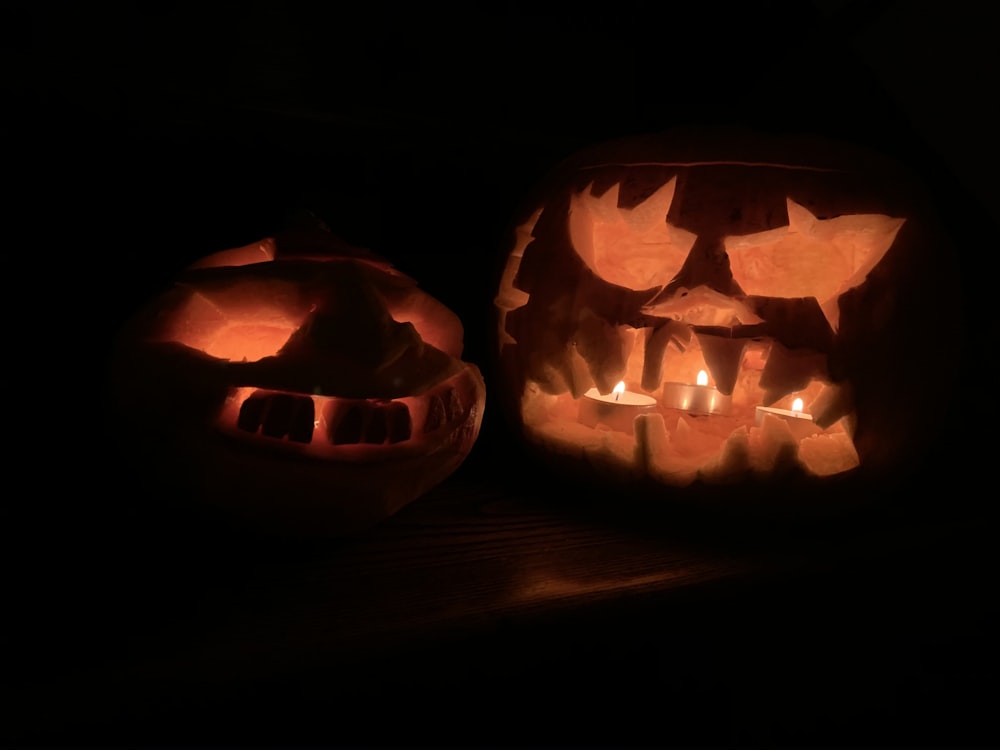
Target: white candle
{"points": [[802, 424], [699, 398], [616, 410]]}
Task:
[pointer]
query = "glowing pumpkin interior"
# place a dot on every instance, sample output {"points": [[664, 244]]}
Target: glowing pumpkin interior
{"points": [[741, 302], [329, 377]]}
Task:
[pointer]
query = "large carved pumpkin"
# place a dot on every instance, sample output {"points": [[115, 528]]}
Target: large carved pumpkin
{"points": [[777, 311], [308, 385]]}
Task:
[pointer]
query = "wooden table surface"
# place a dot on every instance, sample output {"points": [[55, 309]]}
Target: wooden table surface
{"points": [[494, 610]]}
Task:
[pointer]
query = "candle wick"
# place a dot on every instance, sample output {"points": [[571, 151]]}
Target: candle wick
{"points": [[617, 395]]}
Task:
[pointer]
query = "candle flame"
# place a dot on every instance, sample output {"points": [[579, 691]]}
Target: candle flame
{"points": [[797, 405], [619, 389], [702, 378]]}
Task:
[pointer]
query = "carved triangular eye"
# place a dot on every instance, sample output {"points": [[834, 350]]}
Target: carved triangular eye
{"points": [[632, 247], [811, 257]]}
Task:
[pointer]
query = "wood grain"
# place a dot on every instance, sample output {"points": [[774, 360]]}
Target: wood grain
{"points": [[488, 583]]}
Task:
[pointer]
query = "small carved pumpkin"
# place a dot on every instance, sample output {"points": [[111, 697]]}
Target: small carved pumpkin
{"points": [[305, 383], [718, 309]]}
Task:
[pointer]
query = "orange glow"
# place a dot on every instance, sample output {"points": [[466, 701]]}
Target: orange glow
{"points": [[632, 247], [255, 252], [249, 342], [811, 257]]}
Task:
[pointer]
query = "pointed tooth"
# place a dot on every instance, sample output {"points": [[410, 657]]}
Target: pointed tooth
{"points": [[790, 370], [722, 357], [833, 402], [656, 350], [565, 371], [824, 455], [453, 405], [604, 348], [734, 460], [775, 449], [437, 413], [545, 359]]}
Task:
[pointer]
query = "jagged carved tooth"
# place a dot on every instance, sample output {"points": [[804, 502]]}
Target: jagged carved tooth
{"points": [[398, 422], [545, 351], [776, 449], [722, 358], [734, 461], [437, 413], [453, 404], [548, 379], [656, 349], [578, 374], [560, 373], [824, 455], [790, 370], [832, 403], [604, 347], [509, 296], [831, 310]]}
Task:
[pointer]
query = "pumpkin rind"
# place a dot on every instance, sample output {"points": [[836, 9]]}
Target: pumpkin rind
{"points": [[783, 266], [306, 386]]}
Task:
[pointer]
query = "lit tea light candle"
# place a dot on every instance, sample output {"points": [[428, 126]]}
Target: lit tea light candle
{"points": [[699, 398], [802, 424], [616, 410]]}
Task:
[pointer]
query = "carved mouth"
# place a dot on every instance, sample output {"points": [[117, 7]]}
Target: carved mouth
{"points": [[350, 428]]}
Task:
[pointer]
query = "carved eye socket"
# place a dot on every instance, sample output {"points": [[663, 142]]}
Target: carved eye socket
{"points": [[234, 324], [637, 248], [632, 247], [811, 257]]}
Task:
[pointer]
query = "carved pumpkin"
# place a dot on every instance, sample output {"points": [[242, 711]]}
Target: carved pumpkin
{"points": [[771, 308], [306, 384]]}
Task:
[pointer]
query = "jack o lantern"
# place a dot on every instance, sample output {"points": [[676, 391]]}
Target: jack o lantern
{"points": [[703, 310], [307, 384]]}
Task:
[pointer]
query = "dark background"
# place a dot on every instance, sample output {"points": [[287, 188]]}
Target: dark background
{"points": [[142, 136], [152, 135]]}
